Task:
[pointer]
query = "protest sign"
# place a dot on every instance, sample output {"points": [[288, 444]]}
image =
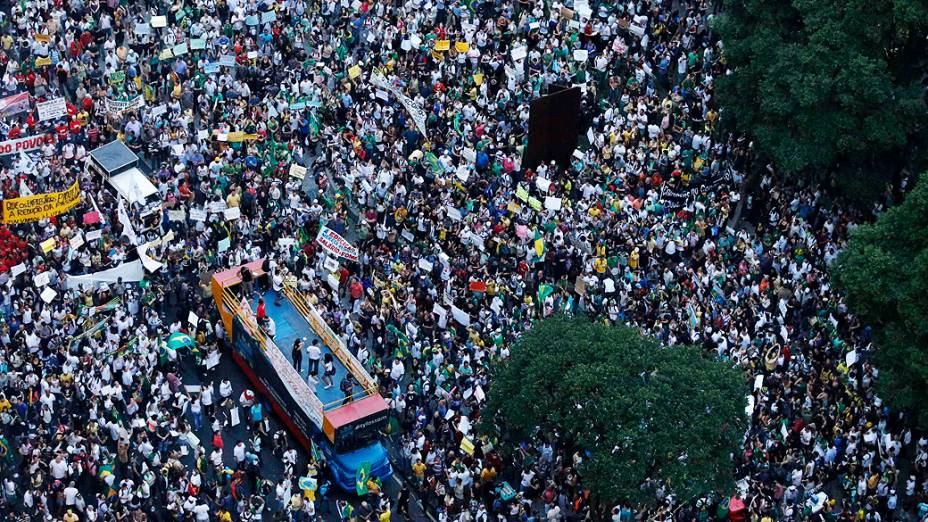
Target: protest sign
{"points": [[336, 244], [40, 206], [119, 107], [24, 144], [51, 109]]}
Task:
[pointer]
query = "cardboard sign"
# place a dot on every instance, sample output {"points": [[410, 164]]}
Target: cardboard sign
{"points": [[198, 214], [354, 72], [224, 245], [94, 235], [48, 294], [232, 213], [17, 269], [297, 171], [47, 245], [41, 279], [76, 242], [91, 218], [158, 21], [552, 203], [442, 45]]}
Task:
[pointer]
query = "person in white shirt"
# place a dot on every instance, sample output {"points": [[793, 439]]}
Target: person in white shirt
{"points": [[239, 452]]}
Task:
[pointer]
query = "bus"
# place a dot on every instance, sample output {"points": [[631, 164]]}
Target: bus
{"points": [[346, 429]]}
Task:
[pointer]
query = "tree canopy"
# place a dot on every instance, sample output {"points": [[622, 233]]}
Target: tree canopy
{"points": [[641, 411], [884, 271], [823, 83]]}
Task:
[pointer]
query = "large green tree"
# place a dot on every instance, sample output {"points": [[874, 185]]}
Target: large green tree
{"points": [[642, 411], [826, 85], [884, 271]]}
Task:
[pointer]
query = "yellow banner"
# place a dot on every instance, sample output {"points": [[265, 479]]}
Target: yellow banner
{"points": [[34, 208]]}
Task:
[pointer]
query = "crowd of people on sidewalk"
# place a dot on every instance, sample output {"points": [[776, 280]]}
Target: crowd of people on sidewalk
{"points": [[401, 125]]}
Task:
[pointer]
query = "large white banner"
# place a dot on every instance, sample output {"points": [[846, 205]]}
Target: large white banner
{"points": [[418, 115], [51, 109], [131, 272], [118, 107], [23, 144], [336, 244]]}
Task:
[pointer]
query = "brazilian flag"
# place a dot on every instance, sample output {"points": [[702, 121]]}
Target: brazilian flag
{"points": [[5, 453], [360, 481]]}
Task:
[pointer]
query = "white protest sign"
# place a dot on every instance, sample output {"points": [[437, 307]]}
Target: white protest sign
{"points": [[48, 294], [552, 203], [41, 280], [460, 316], [198, 214], [232, 213], [77, 241], [543, 184], [93, 235], [18, 269], [51, 109]]}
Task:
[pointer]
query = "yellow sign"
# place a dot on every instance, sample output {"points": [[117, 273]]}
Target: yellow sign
{"points": [[442, 45], [47, 245], [478, 79], [354, 72], [42, 62], [461, 47], [34, 208], [236, 137], [44, 38], [467, 446]]}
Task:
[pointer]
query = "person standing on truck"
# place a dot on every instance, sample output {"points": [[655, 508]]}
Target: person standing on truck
{"points": [[314, 353], [347, 387], [328, 371], [298, 355], [248, 282]]}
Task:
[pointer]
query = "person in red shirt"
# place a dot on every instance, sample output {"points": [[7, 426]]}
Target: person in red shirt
{"points": [[62, 131], [262, 311], [356, 289]]}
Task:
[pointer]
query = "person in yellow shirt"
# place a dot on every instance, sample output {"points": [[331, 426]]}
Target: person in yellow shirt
{"points": [[234, 198], [418, 471], [385, 516]]}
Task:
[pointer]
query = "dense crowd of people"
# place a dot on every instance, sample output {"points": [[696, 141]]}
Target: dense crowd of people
{"points": [[461, 249]]}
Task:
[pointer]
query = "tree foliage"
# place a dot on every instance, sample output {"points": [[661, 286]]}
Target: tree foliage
{"points": [[818, 83], [884, 271], [641, 411]]}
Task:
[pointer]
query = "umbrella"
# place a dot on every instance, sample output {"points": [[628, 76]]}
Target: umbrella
{"points": [[180, 340]]}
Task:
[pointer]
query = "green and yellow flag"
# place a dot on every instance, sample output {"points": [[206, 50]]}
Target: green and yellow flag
{"points": [[360, 481]]}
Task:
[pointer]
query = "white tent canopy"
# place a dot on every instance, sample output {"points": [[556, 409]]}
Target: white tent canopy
{"points": [[133, 186]]}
